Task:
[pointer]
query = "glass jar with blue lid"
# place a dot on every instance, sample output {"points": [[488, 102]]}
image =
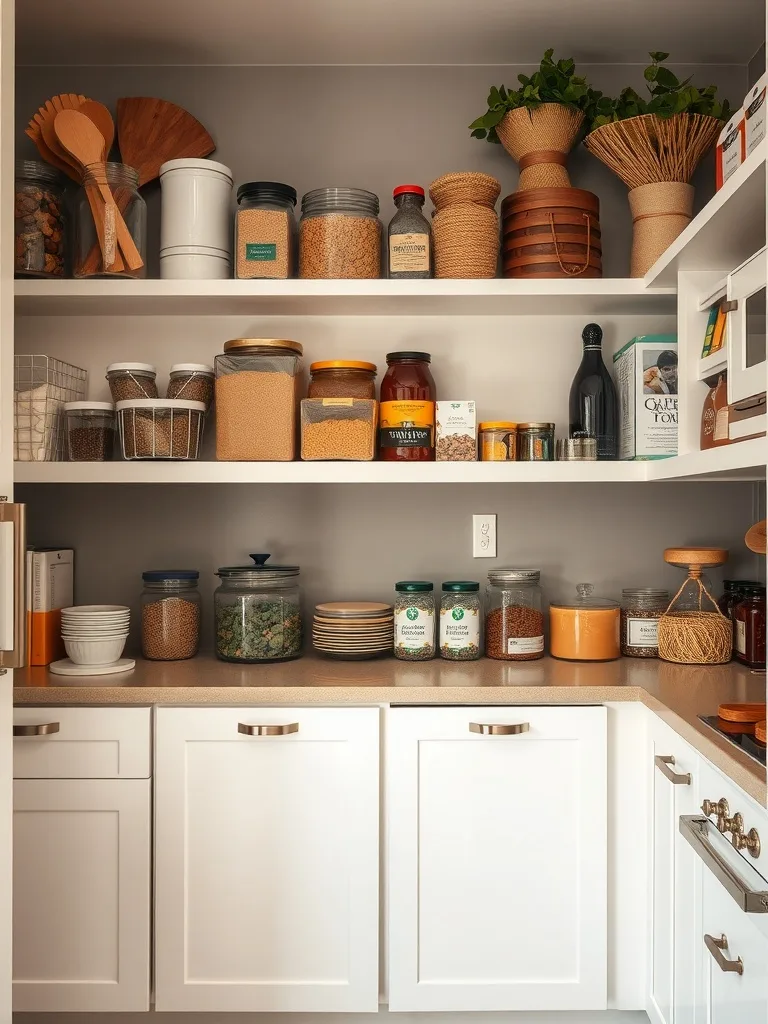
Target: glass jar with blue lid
{"points": [[170, 614]]}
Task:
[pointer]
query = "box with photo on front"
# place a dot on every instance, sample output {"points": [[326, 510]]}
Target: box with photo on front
{"points": [[645, 372]]}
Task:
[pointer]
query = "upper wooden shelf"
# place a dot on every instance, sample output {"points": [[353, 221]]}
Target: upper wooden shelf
{"points": [[616, 296], [729, 229]]}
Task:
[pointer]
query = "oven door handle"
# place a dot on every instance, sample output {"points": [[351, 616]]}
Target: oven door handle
{"points": [[695, 830]]}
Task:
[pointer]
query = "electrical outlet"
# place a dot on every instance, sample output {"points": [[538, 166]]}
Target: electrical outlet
{"points": [[484, 536]]}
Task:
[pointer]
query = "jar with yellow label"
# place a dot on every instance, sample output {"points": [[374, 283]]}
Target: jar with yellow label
{"points": [[498, 441], [407, 409]]}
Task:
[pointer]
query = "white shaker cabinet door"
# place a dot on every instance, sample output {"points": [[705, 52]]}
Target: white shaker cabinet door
{"points": [[267, 857], [81, 894], [497, 858]]}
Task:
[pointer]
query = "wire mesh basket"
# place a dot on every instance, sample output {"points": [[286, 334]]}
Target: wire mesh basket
{"points": [[160, 428], [42, 385]]}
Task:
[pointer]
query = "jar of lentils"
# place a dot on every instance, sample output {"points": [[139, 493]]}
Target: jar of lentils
{"points": [[460, 621], [170, 614], [339, 234], [193, 381], [514, 621], [128, 381], [641, 608], [414, 620]]}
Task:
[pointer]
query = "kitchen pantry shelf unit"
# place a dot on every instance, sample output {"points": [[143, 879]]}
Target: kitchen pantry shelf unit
{"points": [[729, 229], [610, 296]]}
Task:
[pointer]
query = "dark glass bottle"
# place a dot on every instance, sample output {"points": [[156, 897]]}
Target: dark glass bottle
{"points": [[749, 626], [593, 406]]}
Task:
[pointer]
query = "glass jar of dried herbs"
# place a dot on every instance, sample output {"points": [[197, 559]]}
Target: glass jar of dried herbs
{"points": [[641, 608], [257, 610], [460, 612], [414, 620]]}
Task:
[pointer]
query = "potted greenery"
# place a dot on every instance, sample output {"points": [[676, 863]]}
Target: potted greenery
{"points": [[539, 123], [654, 145]]}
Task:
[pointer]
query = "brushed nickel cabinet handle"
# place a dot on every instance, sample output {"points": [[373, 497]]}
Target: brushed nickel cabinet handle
{"points": [[267, 730], [499, 730], [662, 762], [703, 836], [715, 947], [36, 730]]}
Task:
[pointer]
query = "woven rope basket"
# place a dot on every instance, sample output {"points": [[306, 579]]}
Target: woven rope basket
{"points": [[660, 211], [696, 637], [540, 140], [465, 227]]}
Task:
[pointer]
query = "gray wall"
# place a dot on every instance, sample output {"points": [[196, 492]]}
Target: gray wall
{"points": [[756, 66], [371, 127]]}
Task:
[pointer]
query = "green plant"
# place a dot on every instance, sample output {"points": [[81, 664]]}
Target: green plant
{"points": [[668, 96], [554, 82]]}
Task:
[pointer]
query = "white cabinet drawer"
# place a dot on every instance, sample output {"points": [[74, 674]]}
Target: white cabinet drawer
{"points": [[82, 743], [714, 786]]}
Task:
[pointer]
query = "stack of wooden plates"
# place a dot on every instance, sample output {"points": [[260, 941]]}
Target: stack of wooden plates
{"points": [[353, 630]]}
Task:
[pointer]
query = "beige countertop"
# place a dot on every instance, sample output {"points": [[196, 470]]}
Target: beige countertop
{"points": [[677, 693]]}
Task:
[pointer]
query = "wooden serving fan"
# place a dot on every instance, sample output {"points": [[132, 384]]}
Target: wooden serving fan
{"points": [[151, 131]]}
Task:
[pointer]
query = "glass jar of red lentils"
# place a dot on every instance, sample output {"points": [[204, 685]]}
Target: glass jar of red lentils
{"points": [[342, 378], [514, 621]]}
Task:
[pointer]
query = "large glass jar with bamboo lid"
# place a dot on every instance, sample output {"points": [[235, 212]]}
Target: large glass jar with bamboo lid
{"points": [[257, 400]]}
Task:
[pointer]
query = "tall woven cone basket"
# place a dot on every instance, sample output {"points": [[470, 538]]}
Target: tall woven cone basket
{"points": [[540, 141], [655, 157]]}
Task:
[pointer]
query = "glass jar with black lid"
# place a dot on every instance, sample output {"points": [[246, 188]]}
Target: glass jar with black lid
{"points": [[407, 409], [265, 230], [258, 614]]}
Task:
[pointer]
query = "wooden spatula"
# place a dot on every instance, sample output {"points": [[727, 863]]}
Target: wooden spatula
{"points": [[151, 131]]}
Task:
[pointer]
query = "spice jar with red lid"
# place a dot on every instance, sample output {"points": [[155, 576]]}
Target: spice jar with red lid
{"points": [[749, 626], [407, 409], [409, 236]]}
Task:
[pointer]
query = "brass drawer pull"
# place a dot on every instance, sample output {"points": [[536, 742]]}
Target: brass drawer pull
{"points": [[717, 807], [267, 730], [662, 762], [36, 730], [499, 730], [715, 947], [750, 841]]}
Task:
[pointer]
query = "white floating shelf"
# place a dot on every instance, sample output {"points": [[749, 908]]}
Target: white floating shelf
{"points": [[595, 297], [715, 362], [742, 461], [729, 229]]}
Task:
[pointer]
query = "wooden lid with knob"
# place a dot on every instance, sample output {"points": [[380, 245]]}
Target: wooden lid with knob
{"points": [[695, 556]]}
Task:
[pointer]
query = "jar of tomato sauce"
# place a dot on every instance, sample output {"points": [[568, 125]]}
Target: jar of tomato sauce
{"points": [[749, 626], [407, 409]]}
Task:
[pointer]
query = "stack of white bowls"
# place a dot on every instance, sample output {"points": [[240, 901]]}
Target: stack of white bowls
{"points": [[195, 220], [95, 634]]}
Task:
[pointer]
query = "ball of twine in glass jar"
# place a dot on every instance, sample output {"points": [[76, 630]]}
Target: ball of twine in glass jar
{"points": [[695, 637]]}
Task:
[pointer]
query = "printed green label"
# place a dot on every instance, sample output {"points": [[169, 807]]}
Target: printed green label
{"points": [[261, 251]]}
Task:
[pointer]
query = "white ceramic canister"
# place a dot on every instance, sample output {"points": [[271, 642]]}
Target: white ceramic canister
{"points": [[195, 263], [195, 207]]}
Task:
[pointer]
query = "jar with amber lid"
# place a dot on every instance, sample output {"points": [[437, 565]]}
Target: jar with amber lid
{"points": [[586, 629], [498, 441], [342, 378]]}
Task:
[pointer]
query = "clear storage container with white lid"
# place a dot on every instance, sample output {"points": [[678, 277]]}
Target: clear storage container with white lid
{"points": [[90, 431], [193, 381], [132, 380]]}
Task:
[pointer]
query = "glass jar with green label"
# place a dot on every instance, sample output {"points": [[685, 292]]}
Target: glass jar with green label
{"points": [[414, 620], [265, 230], [460, 613]]}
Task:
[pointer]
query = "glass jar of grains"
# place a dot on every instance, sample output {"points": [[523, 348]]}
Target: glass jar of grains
{"points": [[514, 622], [498, 441], [641, 608], [256, 400], [257, 612], [90, 431], [342, 378], [414, 620], [340, 234], [536, 442], [193, 381], [128, 381], [265, 230], [460, 621], [170, 614], [39, 237]]}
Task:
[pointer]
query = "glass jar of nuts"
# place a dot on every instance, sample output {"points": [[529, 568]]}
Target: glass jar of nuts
{"points": [[340, 234], [170, 614], [38, 221], [514, 621]]}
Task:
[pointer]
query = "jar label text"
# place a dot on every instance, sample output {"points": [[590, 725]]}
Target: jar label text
{"points": [[525, 644], [642, 632], [261, 251], [407, 424], [414, 628], [459, 628], [741, 637], [408, 252]]}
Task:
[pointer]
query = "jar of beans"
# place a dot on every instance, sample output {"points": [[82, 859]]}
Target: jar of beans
{"points": [[460, 613], [265, 230], [342, 378], [131, 380], [170, 614], [340, 234], [38, 220], [90, 431], [193, 381], [641, 608], [514, 621]]}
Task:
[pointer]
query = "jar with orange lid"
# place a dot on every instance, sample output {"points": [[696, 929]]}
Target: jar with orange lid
{"points": [[586, 629], [498, 441], [342, 378]]}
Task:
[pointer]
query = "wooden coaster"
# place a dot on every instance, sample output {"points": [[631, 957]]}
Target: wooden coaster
{"points": [[741, 712]]}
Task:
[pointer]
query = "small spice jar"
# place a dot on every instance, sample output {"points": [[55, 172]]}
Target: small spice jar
{"points": [[128, 381], [498, 441], [38, 221], [514, 622], [586, 629], [536, 442], [342, 378], [88, 257], [265, 230], [409, 235], [641, 608], [414, 620], [170, 614], [749, 626], [460, 621], [339, 234], [90, 431], [193, 381]]}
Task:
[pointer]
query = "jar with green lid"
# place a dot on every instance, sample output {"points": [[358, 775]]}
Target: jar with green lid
{"points": [[460, 613], [414, 620], [641, 608]]}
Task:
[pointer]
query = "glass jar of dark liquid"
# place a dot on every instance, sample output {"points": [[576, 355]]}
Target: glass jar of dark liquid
{"points": [[749, 626], [407, 410]]}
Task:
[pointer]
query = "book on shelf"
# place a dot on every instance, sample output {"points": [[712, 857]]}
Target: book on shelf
{"points": [[718, 337], [709, 332]]}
